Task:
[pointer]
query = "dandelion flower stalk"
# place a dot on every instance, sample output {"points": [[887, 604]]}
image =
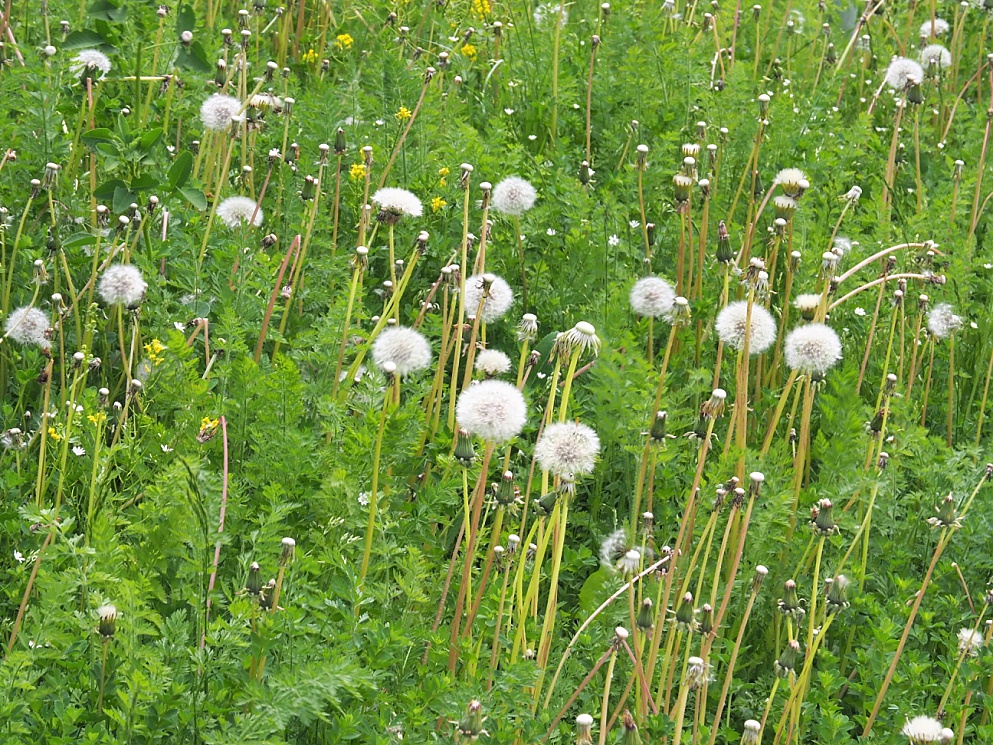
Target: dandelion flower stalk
{"points": [[377, 452], [967, 647]]}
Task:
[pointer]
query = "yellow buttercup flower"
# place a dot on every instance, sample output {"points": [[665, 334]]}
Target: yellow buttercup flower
{"points": [[443, 171], [437, 203], [53, 434], [357, 171], [403, 114], [343, 41], [310, 56], [469, 51], [208, 423]]}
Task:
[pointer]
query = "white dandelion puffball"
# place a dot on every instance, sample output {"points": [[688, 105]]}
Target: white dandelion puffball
{"points": [[629, 563], [492, 410], [499, 297], [398, 202], [652, 297], [812, 348], [941, 321], [970, 641], [940, 28], [902, 71], [122, 283], [218, 111], [513, 196], [730, 327], [922, 730], [614, 546], [236, 211], [936, 54], [790, 176], [87, 58], [404, 347], [28, 326], [492, 362], [567, 449]]}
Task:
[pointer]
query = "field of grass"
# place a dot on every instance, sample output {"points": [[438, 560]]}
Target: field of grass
{"points": [[490, 371]]}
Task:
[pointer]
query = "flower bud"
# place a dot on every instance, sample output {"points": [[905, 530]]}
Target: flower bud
{"points": [[107, 615]]}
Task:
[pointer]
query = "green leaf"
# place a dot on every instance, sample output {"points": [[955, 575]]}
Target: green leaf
{"points": [[591, 594], [149, 140], [186, 19], [95, 136], [180, 170], [83, 39], [193, 57], [78, 240], [123, 197], [104, 10], [107, 188], [194, 197]]}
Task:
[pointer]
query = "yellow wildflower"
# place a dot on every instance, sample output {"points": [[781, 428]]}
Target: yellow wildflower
{"points": [[357, 171], [481, 8], [208, 428], [437, 203], [310, 56], [443, 171], [53, 434], [469, 51], [154, 351], [98, 418], [343, 41], [403, 114], [208, 423]]}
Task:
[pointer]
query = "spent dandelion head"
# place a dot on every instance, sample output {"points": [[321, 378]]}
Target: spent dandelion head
{"points": [[792, 181], [527, 327], [91, 59], [492, 410], [942, 321], [395, 203], [581, 337], [652, 297], [240, 211], [733, 326], [498, 296], [970, 642], [406, 348], [513, 196], [922, 730], [28, 326]]}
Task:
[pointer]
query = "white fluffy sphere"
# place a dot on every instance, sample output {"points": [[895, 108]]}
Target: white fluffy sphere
{"points": [[499, 298], [652, 297], [122, 283], [235, 211], [492, 410], [398, 202], [218, 110], [567, 449], [731, 327], [513, 196], [902, 71], [812, 348], [28, 326], [405, 348], [492, 362]]}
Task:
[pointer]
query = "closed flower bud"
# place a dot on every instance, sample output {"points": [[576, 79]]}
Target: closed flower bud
{"points": [[630, 734], [465, 454], [470, 727], [288, 551], [725, 254], [790, 604], [837, 594], [646, 619], [822, 522], [506, 493], [706, 618], [761, 573], [253, 585], [947, 516], [685, 617], [658, 427], [786, 663], [107, 615]]}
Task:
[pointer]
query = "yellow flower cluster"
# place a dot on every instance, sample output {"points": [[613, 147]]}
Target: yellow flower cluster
{"points": [[403, 114], [437, 203], [469, 51], [154, 350], [442, 172], [208, 423], [357, 171], [310, 56], [481, 8], [53, 434], [343, 41], [98, 418]]}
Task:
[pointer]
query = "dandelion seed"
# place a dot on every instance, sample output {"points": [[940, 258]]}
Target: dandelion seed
{"points": [[922, 730], [567, 449], [218, 111], [122, 283], [812, 348], [396, 203], [237, 211], [28, 326], [732, 329], [513, 196], [902, 72], [942, 322], [970, 642], [652, 297], [499, 296], [492, 362], [404, 347], [492, 410]]}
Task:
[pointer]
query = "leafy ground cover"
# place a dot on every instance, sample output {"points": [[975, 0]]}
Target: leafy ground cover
{"points": [[457, 371]]}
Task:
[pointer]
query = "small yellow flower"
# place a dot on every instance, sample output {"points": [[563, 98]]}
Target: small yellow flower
{"points": [[208, 423], [481, 8], [53, 434], [310, 56], [357, 171], [437, 203], [208, 428], [403, 114], [443, 171], [154, 351], [469, 51], [98, 418], [343, 41]]}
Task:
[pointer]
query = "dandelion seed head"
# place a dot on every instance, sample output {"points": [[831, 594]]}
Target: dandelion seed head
{"points": [[398, 202], [942, 322], [902, 71], [513, 196], [613, 547], [812, 348], [970, 641], [940, 28], [122, 283], [492, 362], [236, 211], [936, 54], [106, 612], [87, 58], [499, 297], [732, 329], [567, 449], [493, 410], [402, 346], [629, 563], [652, 297], [28, 326], [922, 730], [218, 111]]}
